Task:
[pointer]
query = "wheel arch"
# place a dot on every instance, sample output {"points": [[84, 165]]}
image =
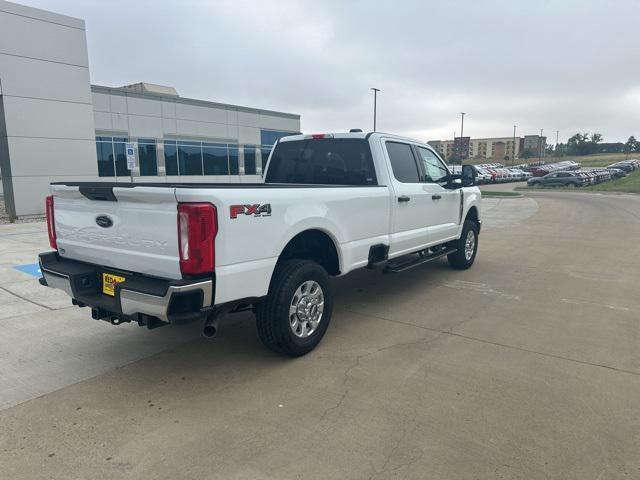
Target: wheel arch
{"points": [[314, 244], [473, 214]]}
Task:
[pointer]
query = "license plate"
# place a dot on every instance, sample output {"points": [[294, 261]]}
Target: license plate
{"points": [[109, 282]]}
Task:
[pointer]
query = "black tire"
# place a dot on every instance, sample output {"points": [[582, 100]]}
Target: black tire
{"points": [[458, 259], [272, 315]]}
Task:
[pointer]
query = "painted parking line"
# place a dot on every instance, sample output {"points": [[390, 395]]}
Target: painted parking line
{"points": [[32, 269]]}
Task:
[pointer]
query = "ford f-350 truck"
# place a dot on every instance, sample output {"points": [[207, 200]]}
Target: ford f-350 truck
{"points": [[162, 253]]}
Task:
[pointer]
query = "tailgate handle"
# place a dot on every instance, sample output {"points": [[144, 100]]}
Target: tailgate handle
{"points": [[103, 194]]}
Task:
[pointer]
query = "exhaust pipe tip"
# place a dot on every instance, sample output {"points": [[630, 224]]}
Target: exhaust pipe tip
{"points": [[210, 329]]}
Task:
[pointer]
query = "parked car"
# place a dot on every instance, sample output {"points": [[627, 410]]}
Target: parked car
{"points": [[482, 176], [543, 169], [520, 175], [501, 174], [628, 167], [601, 174], [557, 179], [166, 253], [492, 173], [617, 172]]}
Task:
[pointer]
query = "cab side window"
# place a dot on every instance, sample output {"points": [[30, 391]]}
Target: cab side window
{"points": [[403, 163], [435, 171]]}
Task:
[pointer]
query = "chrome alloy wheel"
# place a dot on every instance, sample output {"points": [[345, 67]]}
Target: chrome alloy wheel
{"points": [[469, 245], [306, 309]]}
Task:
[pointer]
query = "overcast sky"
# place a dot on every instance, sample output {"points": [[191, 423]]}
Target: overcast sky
{"points": [[568, 65]]}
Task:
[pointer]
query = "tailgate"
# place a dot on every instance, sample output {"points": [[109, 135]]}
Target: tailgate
{"points": [[126, 228]]}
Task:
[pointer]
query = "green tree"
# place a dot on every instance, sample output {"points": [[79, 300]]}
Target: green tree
{"points": [[577, 145], [583, 143], [632, 145]]}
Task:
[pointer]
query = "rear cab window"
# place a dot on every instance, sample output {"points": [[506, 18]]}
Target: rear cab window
{"points": [[326, 161]]}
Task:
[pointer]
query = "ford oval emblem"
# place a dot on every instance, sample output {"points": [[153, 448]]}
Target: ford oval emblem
{"points": [[104, 221]]}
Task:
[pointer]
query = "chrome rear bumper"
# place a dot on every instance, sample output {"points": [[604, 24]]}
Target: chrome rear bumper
{"points": [[170, 301]]}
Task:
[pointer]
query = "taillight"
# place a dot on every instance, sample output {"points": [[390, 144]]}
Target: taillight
{"points": [[51, 222], [197, 229]]}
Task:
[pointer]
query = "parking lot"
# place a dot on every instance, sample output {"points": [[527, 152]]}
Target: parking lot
{"points": [[525, 366]]}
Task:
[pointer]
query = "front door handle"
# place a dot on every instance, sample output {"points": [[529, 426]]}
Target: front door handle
{"points": [[403, 198], [436, 196]]}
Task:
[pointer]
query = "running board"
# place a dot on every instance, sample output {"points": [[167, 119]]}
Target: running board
{"points": [[399, 265]]}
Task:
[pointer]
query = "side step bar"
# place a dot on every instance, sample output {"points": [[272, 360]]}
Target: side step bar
{"points": [[404, 263]]}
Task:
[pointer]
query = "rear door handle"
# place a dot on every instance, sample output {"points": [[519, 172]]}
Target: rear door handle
{"points": [[436, 197], [403, 198]]}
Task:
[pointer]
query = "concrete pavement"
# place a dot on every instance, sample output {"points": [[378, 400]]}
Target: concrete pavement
{"points": [[525, 366]]}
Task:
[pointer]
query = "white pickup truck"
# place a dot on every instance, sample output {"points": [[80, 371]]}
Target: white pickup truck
{"points": [[166, 253]]}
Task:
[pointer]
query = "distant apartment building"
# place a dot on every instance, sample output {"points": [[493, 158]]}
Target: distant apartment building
{"points": [[496, 149], [443, 147]]}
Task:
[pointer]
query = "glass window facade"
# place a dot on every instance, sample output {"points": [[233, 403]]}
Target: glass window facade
{"points": [[189, 158], [170, 157], [267, 139], [104, 151], [233, 160], [184, 157], [121, 157], [250, 159], [147, 158], [181, 157], [215, 158], [111, 156]]}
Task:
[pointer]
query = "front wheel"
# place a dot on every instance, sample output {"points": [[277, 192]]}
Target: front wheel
{"points": [[467, 247], [296, 313]]}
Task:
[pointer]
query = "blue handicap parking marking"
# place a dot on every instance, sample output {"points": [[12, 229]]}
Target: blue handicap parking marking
{"points": [[30, 268]]}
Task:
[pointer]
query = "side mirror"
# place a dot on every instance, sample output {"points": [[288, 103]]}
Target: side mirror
{"points": [[468, 176]]}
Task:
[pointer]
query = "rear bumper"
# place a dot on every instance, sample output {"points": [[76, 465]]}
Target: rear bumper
{"points": [[138, 297]]}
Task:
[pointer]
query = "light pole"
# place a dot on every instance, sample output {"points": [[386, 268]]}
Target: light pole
{"points": [[375, 105], [557, 136], [513, 153], [540, 147], [462, 155]]}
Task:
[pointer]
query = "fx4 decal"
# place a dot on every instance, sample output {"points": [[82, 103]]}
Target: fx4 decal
{"points": [[256, 210]]}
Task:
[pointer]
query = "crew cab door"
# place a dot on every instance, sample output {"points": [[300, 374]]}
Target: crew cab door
{"points": [[418, 214], [445, 209]]}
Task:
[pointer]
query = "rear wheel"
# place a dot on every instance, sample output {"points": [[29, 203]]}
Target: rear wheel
{"points": [[467, 246], [296, 313]]}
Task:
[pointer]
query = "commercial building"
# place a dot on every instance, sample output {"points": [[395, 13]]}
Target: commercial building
{"points": [[182, 139], [55, 125]]}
